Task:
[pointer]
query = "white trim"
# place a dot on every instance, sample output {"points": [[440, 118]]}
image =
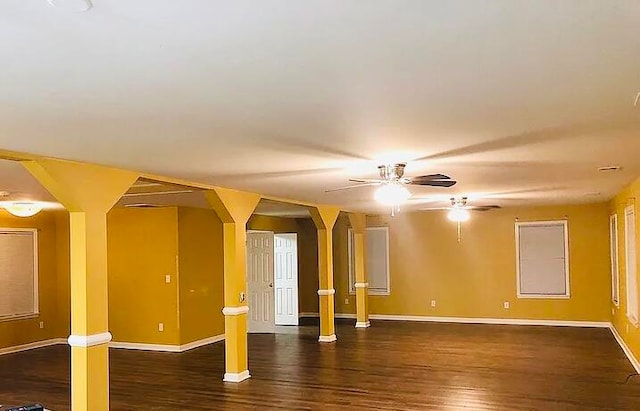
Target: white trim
{"points": [[352, 283], [145, 347], [239, 377], [327, 338], [32, 345], [633, 317], [471, 320], [499, 321], [363, 324], [308, 315], [361, 285], [36, 274], [167, 347], [242, 309], [625, 348], [567, 275], [89, 340], [614, 258], [330, 291]]}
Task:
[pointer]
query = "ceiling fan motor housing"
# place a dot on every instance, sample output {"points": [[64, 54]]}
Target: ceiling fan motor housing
{"points": [[392, 172]]}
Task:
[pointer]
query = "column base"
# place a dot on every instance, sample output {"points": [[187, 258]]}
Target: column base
{"points": [[327, 338], [232, 377], [363, 324]]}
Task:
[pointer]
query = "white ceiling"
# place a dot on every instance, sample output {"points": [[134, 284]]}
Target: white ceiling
{"points": [[519, 99]]}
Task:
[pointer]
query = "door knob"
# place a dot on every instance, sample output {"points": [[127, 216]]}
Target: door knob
{"points": [[270, 285]]}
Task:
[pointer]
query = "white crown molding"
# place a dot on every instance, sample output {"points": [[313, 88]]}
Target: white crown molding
{"points": [[330, 291], [239, 377], [242, 309], [32, 345], [363, 324], [361, 285], [327, 338], [89, 340]]}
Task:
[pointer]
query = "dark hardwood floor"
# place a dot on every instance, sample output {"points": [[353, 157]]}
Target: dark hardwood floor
{"points": [[391, 366]]}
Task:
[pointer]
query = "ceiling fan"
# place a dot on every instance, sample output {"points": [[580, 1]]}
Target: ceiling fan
{"points": [[460, 203], [392, 181], [459, 211], [394, 173]]}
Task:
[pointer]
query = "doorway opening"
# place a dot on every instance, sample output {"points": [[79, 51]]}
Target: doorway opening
{"points": [[272, 280]]}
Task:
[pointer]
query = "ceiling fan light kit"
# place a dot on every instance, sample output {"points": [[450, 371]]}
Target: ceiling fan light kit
{"points": [[392, 181]]}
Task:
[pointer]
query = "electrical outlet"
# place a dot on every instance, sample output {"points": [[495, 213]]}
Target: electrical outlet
{"points": [[161, 327], [167, 278], [613, 311], [433, 303], [627, 328], [346, 301], [41, 324], [506, 305]]}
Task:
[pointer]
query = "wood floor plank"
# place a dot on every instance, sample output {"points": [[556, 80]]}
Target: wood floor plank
{"points": [[390, 366]]}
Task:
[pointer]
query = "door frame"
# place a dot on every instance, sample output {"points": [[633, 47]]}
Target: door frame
{"points": [[297, 289]]}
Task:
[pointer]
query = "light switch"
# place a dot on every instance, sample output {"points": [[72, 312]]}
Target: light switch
{"points": [[167, 278]]}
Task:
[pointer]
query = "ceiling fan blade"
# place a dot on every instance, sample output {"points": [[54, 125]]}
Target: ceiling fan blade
{"points": [[363, 184], [435, 183], [430, 177], [367, 180], [484, 207]]}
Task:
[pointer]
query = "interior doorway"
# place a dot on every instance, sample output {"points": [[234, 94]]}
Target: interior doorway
{"points": [[272, 280], [286, 278]]}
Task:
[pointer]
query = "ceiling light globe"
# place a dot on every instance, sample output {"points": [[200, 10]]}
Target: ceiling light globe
{"points": [[458, 215], [22, 208], [392, 194]]}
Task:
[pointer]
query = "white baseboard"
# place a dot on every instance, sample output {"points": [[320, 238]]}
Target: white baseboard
{"points": [[33, 345], [500, 321], [167, 347], [632, 359], [308, 315], [471, 320], [201, 343], [363, 324], [231, 377], [327, 338]]}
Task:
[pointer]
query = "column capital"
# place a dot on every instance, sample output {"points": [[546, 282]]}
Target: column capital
{"points": [[324, 217], [81, 187]]}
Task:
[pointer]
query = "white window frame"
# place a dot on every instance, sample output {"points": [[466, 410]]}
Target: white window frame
{"points": [[36, 300], [615, 259], [352, 290], [567, 274], [630, 315]]}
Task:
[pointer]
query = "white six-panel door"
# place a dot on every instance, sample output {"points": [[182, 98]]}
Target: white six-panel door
{"points": [[286, 278], [261, 318]]}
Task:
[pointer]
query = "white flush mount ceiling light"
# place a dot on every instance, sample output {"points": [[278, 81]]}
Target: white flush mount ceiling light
{"points": [[22, 208], [74, 6]]}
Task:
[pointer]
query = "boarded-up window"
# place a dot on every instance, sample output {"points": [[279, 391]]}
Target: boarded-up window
{"points": [[543, 259], [18, 273], [376, 260]]}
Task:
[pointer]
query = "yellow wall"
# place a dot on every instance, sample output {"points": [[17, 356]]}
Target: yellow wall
{"points": [[307, 254], [142, 249], [201, 276], [17, 332], [629, 333], [473, 278]]}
